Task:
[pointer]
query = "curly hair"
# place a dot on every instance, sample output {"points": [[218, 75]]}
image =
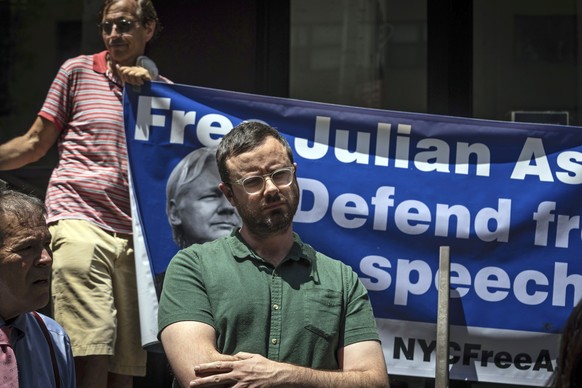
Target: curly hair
{"points": [[146, 12]]}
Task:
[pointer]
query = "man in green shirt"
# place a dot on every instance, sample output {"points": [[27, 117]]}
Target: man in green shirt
{"points": [[259, 307]]}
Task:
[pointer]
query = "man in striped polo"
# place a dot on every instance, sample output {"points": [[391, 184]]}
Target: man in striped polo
{"points": [[94, 284]]}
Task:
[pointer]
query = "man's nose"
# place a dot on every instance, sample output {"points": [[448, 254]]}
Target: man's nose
{"points": [[270, 185], [46, 257], [114, 31]]}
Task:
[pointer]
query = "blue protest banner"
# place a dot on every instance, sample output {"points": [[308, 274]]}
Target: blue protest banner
{"points": [[382, 191]]}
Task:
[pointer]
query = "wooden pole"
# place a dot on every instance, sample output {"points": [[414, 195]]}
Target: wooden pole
{"points": [[442, 347]]}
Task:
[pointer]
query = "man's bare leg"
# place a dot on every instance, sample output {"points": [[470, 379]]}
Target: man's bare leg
{"points": [[91, 371], [115, 380]]}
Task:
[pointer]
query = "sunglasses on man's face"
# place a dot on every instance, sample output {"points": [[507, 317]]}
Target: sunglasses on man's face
{"points": [[122, 26]]}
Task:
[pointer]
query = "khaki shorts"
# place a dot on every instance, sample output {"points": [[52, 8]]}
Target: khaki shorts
{"points": [[95, 294]]}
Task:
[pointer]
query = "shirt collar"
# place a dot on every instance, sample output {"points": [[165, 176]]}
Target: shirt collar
{"points": [[299, 250], [100, 62], [19, 323], [100, 66]]}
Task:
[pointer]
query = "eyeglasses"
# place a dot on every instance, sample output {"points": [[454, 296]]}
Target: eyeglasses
{"points": [[122, 26], [280, 178]]}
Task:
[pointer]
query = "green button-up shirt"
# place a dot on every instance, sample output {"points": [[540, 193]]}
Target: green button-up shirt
{"points": [[300, 312]]}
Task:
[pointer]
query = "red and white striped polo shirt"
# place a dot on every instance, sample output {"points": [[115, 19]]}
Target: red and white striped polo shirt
{"points": [[90, 181]]}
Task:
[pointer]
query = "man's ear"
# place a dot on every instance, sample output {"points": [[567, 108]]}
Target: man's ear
{"points": [[173, 214], [149, 29], [227, 191]]}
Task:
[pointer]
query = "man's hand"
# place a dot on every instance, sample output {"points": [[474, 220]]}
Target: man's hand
{"points": [[134, 75], [191, 350], [361, 365], [248, 370]]}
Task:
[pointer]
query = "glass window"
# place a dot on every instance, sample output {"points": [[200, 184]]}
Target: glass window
{"points": [[369, 53], [525, 60]]}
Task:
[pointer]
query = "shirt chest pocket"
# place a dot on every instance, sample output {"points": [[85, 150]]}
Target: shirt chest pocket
{"points": [[322, 311]]}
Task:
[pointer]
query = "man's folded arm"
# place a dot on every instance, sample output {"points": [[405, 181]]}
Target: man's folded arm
{"points": [[190, 343]]}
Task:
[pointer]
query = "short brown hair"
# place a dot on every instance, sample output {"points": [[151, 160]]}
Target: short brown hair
{"points": [[245, 137]]}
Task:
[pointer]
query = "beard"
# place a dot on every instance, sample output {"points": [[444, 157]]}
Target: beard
{"points": [[264, 224]]}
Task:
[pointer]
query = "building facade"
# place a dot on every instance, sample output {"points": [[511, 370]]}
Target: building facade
{"points": [[489, 59]]}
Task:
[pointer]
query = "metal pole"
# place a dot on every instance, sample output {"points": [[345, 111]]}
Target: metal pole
{"points": [[442, 347]]}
